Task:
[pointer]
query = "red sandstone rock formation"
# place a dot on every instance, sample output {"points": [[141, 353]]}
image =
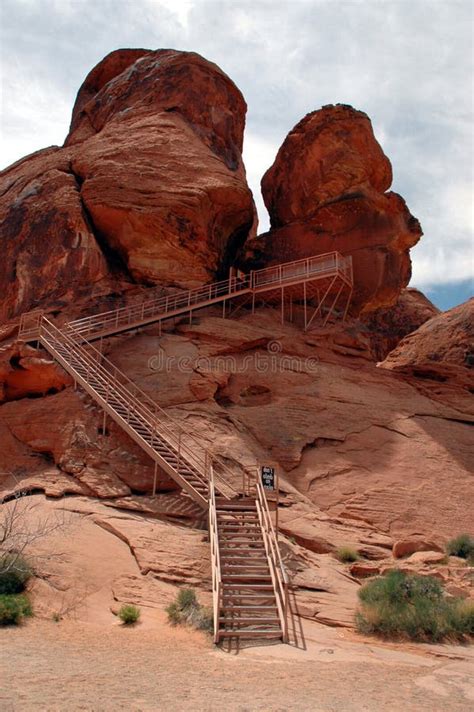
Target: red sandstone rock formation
{"points": [[387, 326], [441, 349], [368, 456], [327, 191], [149, 187]]}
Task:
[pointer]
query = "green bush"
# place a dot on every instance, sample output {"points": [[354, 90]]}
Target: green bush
{"points": [[186, 598], [401, 605], [129, 614], [187, 610], [13, 608], [347, 555], [462, 546], [14, 573]]}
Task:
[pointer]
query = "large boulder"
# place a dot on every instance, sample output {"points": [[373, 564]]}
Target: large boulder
{"points": [[149, 187], [49, 250], [389, 325], [441, 349], [325, 192]]}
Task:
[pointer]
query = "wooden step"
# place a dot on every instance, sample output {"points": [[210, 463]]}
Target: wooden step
{"points": [[255, 587], [246, 567], [229, 576], [270, 620], [225, 633], [249, 608], [240, 540]]}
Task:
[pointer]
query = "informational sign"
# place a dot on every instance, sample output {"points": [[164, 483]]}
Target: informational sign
{"points": [[268, 478]]}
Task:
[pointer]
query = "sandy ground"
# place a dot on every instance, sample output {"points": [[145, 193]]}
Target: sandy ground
{"points": [[73, 665]]}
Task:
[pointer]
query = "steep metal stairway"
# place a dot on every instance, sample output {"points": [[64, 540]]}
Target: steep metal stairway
{"points": [[172, 448], [250, 583]]}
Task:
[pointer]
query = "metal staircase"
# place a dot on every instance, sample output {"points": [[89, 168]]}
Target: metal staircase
{"points": [[173, 449], [249, 581], [325, 279]]}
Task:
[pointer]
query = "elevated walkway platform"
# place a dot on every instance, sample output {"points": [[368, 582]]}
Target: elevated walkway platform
{"points": [[323, 284]]}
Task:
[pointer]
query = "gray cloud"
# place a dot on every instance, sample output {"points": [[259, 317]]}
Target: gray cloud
{"points": [[407, 63]]}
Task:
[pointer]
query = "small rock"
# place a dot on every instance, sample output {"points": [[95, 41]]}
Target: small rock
{"points": [[405, 547], [363, 570], [426, 557]]}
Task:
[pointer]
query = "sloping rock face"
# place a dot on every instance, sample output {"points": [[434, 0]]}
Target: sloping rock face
{"points": [[368, 457], [327, 191], [441, 349], [49, 251], [389, 325], [149, 187]]}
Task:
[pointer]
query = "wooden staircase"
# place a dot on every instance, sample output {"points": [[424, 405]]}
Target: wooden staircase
{"points": [[250, 584], [249, 606]]}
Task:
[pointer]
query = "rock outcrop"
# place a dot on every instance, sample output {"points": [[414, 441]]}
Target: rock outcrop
{"points": [[327, 191], [441, 349], [149, 187], [389, 325]]}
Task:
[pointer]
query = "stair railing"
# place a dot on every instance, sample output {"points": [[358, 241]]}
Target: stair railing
{"points": [[120, 389], [215, 556], [277, 568], [155, 306]]}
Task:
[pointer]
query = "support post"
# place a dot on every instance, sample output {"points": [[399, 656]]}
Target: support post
{"points": [[155, 475], [305, 306]]}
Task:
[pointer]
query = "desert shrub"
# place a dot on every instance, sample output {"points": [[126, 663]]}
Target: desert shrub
{"points": [[462, 546], [187, 610], [347, 555], [129, 614], [13, 608], [186, 598], [14, 573], [401, 605]]}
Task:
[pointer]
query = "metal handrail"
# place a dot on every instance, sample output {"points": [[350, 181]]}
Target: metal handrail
{"points": [[160, 307], [215, 556], [135, 401], [277, 567]]}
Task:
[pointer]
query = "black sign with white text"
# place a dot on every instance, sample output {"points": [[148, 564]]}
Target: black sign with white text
{"points": [[268, 478]]}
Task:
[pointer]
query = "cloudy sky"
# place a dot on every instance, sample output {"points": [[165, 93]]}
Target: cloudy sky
{"points": [[407, 63]]}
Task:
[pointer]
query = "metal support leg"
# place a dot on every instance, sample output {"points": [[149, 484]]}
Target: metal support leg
{"points": [[305, 306], [104, 422], [347, 305], [283, 305], [155, 475]]}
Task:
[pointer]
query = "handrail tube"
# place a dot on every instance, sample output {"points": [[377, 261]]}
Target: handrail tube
{"points": [[134, 406], [137, 436], [215, 555], [277, 568], [163, 305]]}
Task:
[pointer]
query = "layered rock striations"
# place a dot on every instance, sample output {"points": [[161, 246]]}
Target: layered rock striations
{"points": [[327, 190], [150, 186]]}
